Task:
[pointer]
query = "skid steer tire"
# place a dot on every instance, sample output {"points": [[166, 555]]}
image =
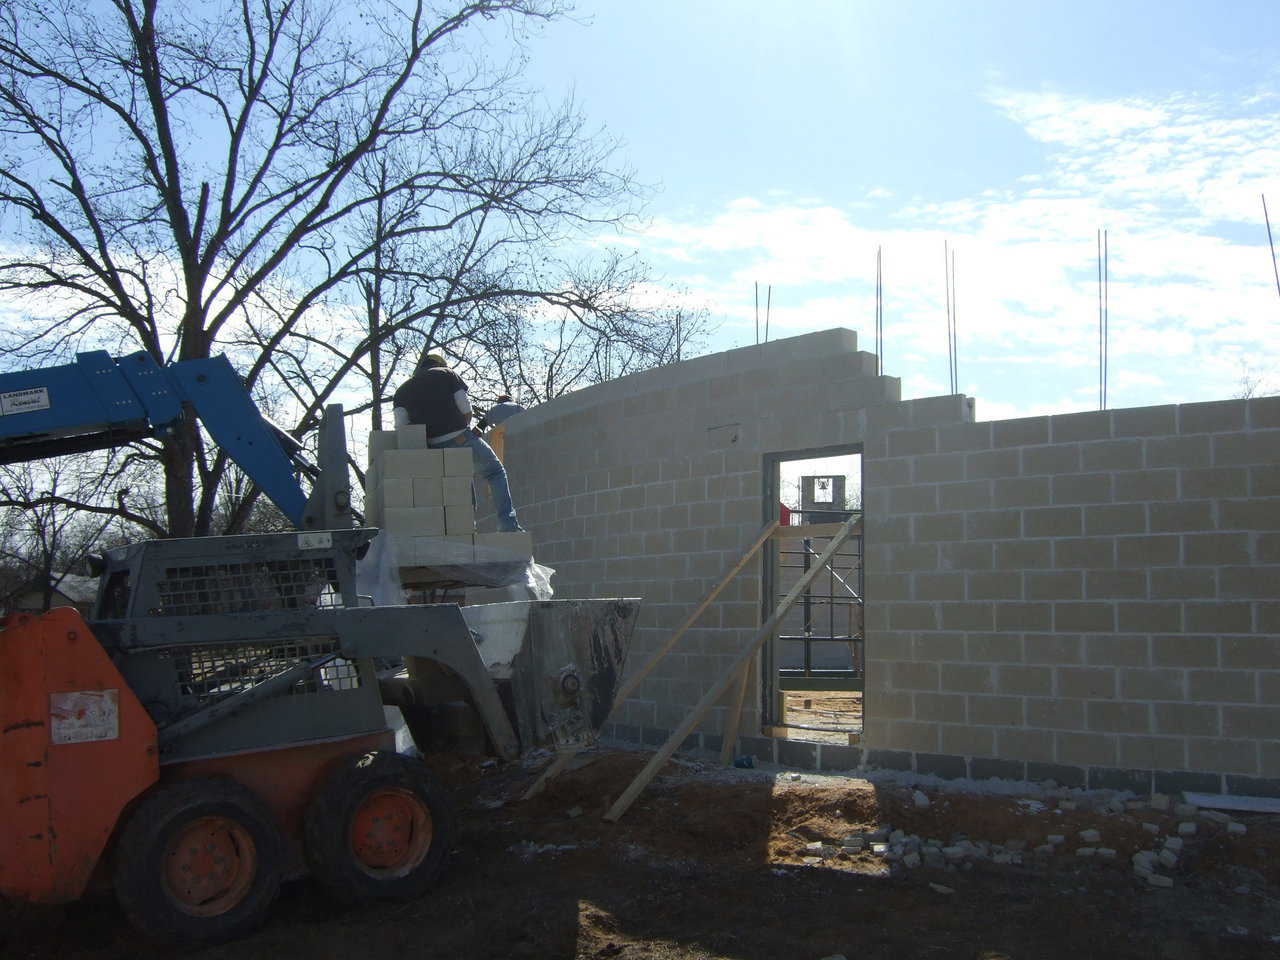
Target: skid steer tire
{"points": [[378, 829], [198, 860]]}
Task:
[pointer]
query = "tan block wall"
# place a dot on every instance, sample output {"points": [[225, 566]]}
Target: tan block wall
{"points": [[1102, 589]]}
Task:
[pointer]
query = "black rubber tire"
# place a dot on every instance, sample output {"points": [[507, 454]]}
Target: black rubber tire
{"points": [[140, 883], [328, 828]]}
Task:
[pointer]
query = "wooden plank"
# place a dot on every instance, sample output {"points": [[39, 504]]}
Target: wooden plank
{"points": [[1218, 801], [735, 716], [629, 687], [553, 770], [813, 530], [718, 688]]}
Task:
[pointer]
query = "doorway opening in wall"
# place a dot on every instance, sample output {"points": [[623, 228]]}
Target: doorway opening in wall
{"points": [[813, 666]]}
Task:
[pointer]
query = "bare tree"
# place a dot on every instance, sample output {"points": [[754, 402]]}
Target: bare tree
{"points": [[42, 534], [251, 177]]}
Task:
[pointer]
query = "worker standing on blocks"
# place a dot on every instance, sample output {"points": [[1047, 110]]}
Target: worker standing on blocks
{"points": [[436, 397]]}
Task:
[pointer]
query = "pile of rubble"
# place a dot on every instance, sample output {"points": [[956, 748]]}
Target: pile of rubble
{"points": [[1155, 866]]}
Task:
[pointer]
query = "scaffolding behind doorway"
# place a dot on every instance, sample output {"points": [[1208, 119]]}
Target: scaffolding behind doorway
{"points": [[814, 666]]}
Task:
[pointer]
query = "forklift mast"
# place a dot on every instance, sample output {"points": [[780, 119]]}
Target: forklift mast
{"points": [[98, 402]]}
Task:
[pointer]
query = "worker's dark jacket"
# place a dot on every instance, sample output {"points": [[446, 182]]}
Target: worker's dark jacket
{"points": [[428, 398]]}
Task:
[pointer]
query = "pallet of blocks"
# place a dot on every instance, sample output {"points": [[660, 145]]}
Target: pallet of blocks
{"points": [[422, 499]]}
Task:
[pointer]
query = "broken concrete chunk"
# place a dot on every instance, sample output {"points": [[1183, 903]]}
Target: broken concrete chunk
{"points": [[573, 813], [1150, 827], [1183, 810], [1090, 836], [1085, 851], [1237, 828], [911, 860], [1159, 801], [1186, 829], [1106, 853], [1217, 816], [1173, 843], [939, 888], [1159, 880], [919, 799], [1168, 857], [1056, 838]]}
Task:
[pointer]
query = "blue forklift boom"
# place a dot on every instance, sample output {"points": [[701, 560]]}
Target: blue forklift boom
{"points": [[99, 402]]}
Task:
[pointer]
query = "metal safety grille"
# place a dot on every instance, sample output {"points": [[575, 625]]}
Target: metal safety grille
{"points": [[207, 674], [286, 584]]}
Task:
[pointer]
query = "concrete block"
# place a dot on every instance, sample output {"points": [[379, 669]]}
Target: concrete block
{"points": [[1179, 452], [1023, 617], [1145, 421], [967, 741], [923, 528], [1091, 425], [1013, 743], [1085, 749], [414, 521], [458, 462], [1111, 455], [379, 442], [1222, 686], [435, 551], [1023, 554], [1055, 713], [1083, 488], [1248, 515], [993, 524], [1214, 417], [1085, 683], [993, 586], [1186, 719], [1020, 492], [1222, 617], [460, 520], [1146, 485], [1175, 583], [1140, 617], [991, 464], [1251, 653], [1118, 716], [1071, 617], [1264, 481], [1053, 522], [994, 647], [964, 436], [427, 492], [1118, 584], [455, 491], [1148, 551], [411, 437], [1184, 651], [1022, 432], [1054, 460], [966, 678], [397, 492], [1112, 650], [1223, 756], [1024, 681], [1084, 553], [412, 463], [1264, 412], [979, 556], [968, 495], [493, 547], [1214, 482], [1254, 723], [1115, 519], [1053, 585]]}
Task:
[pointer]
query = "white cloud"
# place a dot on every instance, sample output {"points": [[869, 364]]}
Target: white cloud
{"points": [[1189, 301]]}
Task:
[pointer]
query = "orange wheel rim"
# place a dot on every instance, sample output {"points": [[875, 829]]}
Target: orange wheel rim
{"points": [[209, 866], [391, 832]]}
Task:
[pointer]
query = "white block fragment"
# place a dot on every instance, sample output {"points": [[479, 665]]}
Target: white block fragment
{"points": [[413, 521], [412, 463], [412, 437]]}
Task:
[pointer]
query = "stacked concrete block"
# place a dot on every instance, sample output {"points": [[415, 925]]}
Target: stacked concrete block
{"points": [[423, 499]]}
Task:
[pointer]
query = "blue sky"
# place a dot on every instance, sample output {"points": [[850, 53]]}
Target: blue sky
{"points": [[787, 140]]}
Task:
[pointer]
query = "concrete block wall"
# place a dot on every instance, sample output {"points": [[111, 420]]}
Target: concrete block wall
{"points": [[652, 486], [1092, 597]]}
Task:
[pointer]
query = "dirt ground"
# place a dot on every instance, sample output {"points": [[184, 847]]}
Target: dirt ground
{"points": [[710, 863]]}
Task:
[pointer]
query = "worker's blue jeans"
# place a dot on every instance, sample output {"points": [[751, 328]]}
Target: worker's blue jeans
{"points": [[486, 464]]}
